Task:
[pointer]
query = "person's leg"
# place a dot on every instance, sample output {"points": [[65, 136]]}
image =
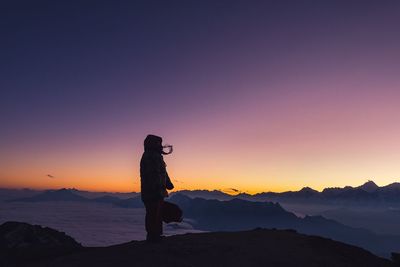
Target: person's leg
{"points": [[151, 214], [153, 220], [159, 221]]}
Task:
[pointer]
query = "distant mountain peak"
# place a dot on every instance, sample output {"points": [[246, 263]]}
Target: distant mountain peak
{"points": [[308, 189], [391, 187], [369, 186], [67, 189], [61, 190], [63, 194]]}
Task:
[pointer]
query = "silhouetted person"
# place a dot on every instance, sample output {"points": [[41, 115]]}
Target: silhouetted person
{"points": [[154, 184]]}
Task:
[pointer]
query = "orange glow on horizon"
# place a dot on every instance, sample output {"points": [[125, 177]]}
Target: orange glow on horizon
{"points": [[322, 144]]}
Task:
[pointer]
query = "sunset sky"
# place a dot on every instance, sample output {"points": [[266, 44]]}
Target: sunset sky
{"points": [[254, 95]]}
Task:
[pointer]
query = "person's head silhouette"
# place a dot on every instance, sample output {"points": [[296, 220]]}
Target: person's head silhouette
{"points": [[154, 143]]}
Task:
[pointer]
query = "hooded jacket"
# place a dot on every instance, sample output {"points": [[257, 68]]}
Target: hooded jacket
{"points": [[153, 173]]}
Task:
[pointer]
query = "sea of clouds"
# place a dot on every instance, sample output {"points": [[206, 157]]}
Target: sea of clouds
{"points": [[91, 224]]}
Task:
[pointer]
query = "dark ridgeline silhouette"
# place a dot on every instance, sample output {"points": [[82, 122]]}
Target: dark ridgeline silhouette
{"points": [[64, 194], [154, 184], [365, 195], [53, 195]]}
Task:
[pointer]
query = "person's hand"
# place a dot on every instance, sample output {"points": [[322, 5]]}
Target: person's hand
{"points": [[169, 185]]}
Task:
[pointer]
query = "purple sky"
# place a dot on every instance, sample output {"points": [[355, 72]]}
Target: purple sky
{"points": [[253, 94]]}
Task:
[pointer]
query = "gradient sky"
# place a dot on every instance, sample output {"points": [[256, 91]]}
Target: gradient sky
{"points": [[254, 95]]}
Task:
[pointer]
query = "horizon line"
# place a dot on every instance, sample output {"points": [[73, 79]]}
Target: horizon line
{"points": [[197, 189]]}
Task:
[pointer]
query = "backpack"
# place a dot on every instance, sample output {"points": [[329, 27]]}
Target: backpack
{"points": [[171, 212]]}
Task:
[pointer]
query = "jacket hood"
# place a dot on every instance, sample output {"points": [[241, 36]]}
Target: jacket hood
{"points": [[153, 143]]}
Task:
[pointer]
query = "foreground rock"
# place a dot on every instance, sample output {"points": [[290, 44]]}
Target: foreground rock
{"points": [[258, 247], [24, 235], [21, 243]]}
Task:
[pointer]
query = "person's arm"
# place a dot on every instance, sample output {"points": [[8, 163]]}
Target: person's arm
{"points": [[161, 179], [168, 182]]}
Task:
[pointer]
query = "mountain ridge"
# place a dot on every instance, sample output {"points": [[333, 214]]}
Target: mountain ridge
{"points": [[367, 193], [239, 214], [391, 190]]}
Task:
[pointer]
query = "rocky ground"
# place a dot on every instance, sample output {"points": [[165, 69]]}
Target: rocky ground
{"points": [[259, 247]]}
